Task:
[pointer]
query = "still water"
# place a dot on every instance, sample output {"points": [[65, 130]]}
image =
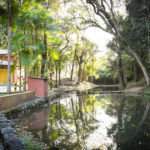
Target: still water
{"points": [[86, 122]]}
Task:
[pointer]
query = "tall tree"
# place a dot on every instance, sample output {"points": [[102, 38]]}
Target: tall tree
{"points": [[8, 10], [114, 46], [106, 11]]}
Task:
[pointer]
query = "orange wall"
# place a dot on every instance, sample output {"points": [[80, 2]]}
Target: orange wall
{"points": [[3, 76]]}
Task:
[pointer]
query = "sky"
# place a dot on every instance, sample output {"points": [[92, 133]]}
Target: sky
{"points": [[100, 37]]}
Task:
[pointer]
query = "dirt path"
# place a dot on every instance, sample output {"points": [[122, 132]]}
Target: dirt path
{"points": [[134, 89], [71, 87]]}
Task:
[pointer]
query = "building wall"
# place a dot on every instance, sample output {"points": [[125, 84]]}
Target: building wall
{"points": [[3, 57], [3, 76], [15, 99], [39, 86]]}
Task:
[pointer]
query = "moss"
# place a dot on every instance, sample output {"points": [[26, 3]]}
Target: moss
{"points": [[10, 110], [29, 145]]}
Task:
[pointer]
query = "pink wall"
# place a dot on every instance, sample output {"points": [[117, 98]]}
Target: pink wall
{"points": [[15, 99], [39, 121], [39, 86]]}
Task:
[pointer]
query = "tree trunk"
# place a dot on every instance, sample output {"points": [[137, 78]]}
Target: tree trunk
{"points": [[36, 53], [56, 76], [59, 71], [79, 72], [9, 51], [44, 55], [25, 73], [135, 76], [72, 69], [120, 69], [51, 80], [51, 71], [25, 81], [59, 75], [20, 71], [125, 77], [138, 59]]}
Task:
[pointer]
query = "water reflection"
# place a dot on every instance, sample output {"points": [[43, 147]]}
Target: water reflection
{"points": [[107, 122], [132, 130], [73, 122]]}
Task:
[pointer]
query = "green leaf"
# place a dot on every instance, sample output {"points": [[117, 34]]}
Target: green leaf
{"points": [[54, 54], [34, 47], [55, 134]]}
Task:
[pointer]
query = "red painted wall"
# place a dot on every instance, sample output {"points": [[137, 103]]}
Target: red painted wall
{"points": [[39, 86], [2, 57]]}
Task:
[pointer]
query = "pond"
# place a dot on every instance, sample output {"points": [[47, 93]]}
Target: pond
{"points": [[92, 122]]}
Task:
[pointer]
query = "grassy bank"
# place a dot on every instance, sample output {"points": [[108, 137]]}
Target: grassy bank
{"points": [[29, 145], [3, 94], [145, 91], [136, 84]]}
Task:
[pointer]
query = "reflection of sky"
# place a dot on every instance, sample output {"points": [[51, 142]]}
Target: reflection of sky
{"points": [[99, 136], [90, 129]]}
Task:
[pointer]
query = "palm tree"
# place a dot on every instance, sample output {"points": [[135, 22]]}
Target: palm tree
{"points": [[8, 9]]}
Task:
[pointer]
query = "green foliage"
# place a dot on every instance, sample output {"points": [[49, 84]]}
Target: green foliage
{"points": [[43, 38], [53, 54], [107, 66], [30, 145], [14, 10], [134, 84], [136, 28]]}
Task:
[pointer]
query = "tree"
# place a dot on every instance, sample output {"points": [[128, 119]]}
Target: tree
{"points": [[10, 9], [105, 10], [138, 26], [84, 51], [114, 46]]}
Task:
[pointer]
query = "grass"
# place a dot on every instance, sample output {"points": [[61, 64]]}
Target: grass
{"points": [[3, 94], [134, 84], [29, 145], [6, 94], [145, 91]]}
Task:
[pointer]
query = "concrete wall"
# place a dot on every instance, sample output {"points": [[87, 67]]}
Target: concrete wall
{"points": [[15, 99], [39, 86]]}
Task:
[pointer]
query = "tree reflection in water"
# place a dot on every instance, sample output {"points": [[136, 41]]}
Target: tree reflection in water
{"points": [[107, 122], [71, 123], [132, 129]]}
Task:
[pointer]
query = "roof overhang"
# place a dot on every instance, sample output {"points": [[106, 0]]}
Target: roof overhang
{"points": [[3, 51], [3, 62]]}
